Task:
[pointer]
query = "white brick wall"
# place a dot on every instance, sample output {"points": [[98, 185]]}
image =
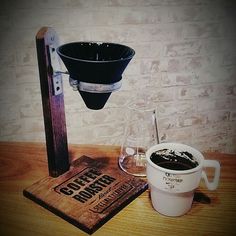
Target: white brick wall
{"points": [[185, 59]]}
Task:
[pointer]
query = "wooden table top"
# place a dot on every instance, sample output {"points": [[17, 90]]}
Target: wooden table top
{"points": [[22, 164]]}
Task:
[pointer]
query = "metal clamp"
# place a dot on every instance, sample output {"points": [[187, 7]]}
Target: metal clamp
{"points": [[94, 88], [98, 88]]}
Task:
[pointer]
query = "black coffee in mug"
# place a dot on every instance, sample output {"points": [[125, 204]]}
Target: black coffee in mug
{"points": [[174, 160]]}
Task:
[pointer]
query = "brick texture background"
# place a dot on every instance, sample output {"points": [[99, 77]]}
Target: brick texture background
{"points": [[185, 59]]}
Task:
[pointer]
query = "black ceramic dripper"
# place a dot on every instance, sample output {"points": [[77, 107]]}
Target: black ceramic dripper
{"points": [[96, 68]]}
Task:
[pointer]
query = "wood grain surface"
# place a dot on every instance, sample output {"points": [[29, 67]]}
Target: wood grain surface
{"points": [[22, 164], [89, 194], [53, 105]]}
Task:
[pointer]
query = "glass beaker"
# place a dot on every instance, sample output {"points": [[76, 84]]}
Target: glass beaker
{"points": [[140, 133]]}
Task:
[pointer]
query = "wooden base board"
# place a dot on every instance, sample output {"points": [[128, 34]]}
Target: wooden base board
{"points": [[87, 195]]}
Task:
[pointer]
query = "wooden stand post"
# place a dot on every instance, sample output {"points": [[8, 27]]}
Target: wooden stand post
{"points": [[53, 102]]}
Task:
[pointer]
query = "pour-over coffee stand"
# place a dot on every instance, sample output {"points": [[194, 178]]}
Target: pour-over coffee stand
{"points": [[85, 192]]}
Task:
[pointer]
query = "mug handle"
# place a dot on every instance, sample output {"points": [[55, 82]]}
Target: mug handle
{"points": [[214, 183]]}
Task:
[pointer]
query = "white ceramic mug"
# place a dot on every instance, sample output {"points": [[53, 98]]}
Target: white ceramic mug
{"points": [[172, 190]]}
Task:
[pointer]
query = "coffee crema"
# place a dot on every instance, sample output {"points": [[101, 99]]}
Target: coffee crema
{"points": [[174, 160]]}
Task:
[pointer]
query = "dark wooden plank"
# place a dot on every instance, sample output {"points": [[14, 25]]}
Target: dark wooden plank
{"points": [[88, 195], [53, 105]]}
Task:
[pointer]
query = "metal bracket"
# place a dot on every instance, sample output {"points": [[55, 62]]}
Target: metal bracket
{"points": [[57, 85], [57, 78]]}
